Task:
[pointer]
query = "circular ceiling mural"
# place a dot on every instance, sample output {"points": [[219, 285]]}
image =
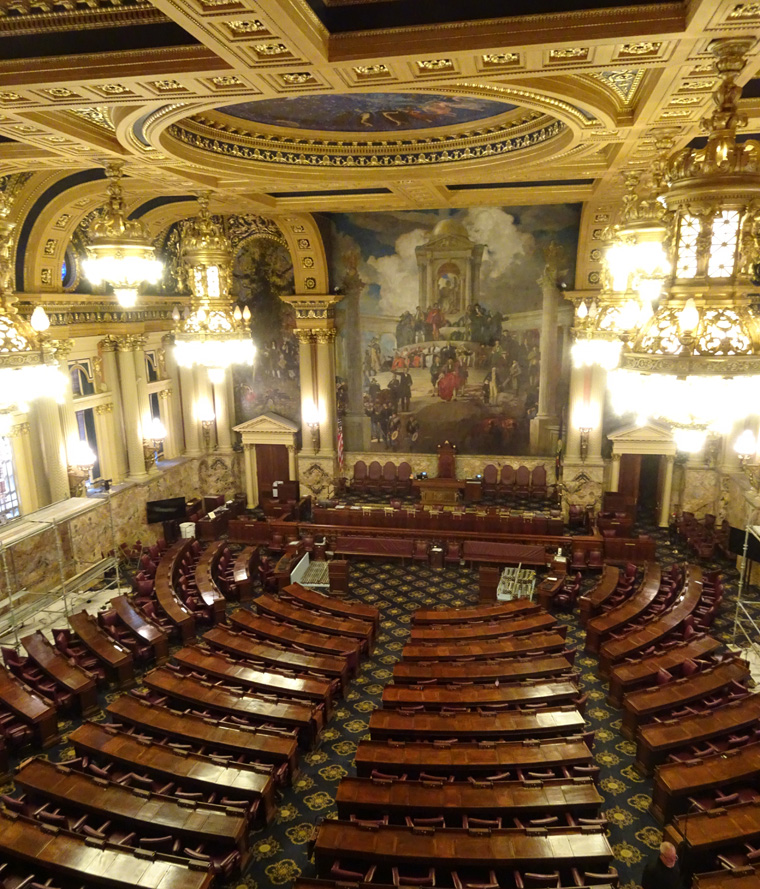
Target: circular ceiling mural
{"points": [[368, 112]]}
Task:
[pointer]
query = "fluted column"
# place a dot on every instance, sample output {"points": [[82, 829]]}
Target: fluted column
{"points": [[48, 421], [131, 408], [173, 422], [23, 467], [307, 361], [615, 473], [204, 405], [222, 411], [189, 420], [107, 348], [540, 431], [251, 479]]}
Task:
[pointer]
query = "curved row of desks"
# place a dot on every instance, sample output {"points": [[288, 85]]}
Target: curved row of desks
{"points": [[600, 627], [478, 650], [539, 666], [518, 625], [437, 697]]}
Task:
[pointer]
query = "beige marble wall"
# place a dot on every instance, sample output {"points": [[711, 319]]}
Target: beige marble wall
{"points": [[696, 489], [583, 484]]}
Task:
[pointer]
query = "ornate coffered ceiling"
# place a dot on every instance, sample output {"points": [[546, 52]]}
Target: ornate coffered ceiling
{"points": [[282, 106]]}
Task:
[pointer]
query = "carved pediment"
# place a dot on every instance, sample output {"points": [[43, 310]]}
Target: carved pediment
{"points": [[651, 438], [267, 427]]}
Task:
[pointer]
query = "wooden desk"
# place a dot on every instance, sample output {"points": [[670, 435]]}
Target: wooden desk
{"points": [[439, 490], [221, 666], [740, 878], [451, 848], [468, 758], [262, 654], [236, 781], [517, 626], [503, 669], [210, 734], [399, 725], [591, 603], [212, 596], [703, 834], [168, 601], [615, 650], [434, 697], [62, 671], [270, 629], [502, 611], [366, 798], [600, 627], [32, 709], [144, 629], [655, 742], [640, 707], [207, 528], [116, 660], [299, 716], [81, 861], [243, 571], [625, 678], [507, 647], [548, 589], [320, 602], [320, 623], [675, 782], [148, 813]]}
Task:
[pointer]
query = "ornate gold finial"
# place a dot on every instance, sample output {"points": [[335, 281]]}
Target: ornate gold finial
{"points": [[112, 221]]}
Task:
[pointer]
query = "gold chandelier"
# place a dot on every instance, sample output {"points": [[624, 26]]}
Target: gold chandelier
{"points": [[214, 335], [28, 366], [119, 253], [694, 362]]}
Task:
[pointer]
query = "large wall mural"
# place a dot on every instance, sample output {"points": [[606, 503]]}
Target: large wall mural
{"points": [[262, 272], [440, 327]]}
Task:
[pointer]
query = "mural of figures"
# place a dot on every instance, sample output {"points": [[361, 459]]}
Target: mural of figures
{"points": [[449, 321], [262, 271]]}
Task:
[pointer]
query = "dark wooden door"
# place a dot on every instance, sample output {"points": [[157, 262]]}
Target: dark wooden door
{"points": [[271, 466], [630, 472]]}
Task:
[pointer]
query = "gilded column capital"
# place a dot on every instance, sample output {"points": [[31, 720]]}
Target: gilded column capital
{"points": [[109, 343], [165, 393], [104, 408], [168, 340], [18, 429], [314, 310], [326, 335], [130, 343], [62, 348], [616, 457], [304, 335]]}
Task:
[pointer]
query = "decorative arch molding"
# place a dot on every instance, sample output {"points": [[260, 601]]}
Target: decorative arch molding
{"points": [[307, 249]]}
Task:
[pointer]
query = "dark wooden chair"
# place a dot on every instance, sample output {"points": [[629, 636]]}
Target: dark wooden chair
{"points": [[507, 480], [359, 480], [374, 477], [490, 479], [404, 478], [538, 482], [388, 481], [522, 481]]}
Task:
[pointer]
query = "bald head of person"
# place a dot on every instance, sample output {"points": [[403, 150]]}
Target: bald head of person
{"points": [[668, 854]]}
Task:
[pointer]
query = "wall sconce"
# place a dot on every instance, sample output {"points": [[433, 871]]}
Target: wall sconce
{"points": [[205, 413], [746, 449], [82, 460], [156, 434], [312, 418], [584, 420]]}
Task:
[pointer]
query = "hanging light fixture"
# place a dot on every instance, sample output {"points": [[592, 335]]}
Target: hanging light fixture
{"points": [[696, 362], [28, 366], [120, 254], [214, 335]]}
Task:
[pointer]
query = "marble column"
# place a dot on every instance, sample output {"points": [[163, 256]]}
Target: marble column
{"points": [[173, 423], [325, 386], [204, 404], [67, 409], [131, 406], [23, 467], [189, 421], [222, 411], [307, 371], [48, 421], [251, 480], [165, 415], [615, 473], [107, 446], [667, 492], [111, 379], [540, 427], [141, 381], [292, 466]]}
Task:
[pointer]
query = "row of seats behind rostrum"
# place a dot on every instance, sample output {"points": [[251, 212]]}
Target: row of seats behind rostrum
{"points": [[478, 753], [520, 482], [687, 704], [186, 766]]}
